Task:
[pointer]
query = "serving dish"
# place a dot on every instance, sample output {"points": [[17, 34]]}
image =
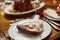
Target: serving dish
{"points": [[13, 31], [6, 10]]}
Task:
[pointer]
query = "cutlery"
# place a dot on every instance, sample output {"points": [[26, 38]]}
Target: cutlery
{"points": [[48, 21], [54, 26], [52, 23], [55, 23]]}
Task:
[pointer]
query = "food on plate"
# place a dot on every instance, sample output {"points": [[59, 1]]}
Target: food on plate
{"points": [[34, 28], [23, 5]]}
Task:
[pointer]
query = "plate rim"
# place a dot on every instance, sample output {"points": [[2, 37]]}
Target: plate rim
{"points": [[25, 20], [41, 5], [49, 16], [52, 18]]}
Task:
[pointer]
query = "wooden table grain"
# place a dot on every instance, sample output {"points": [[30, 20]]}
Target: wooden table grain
{"points": [[4, 26]]}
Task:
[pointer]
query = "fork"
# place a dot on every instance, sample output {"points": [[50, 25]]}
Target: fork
{"points": [[51, 23], [55, 23]]}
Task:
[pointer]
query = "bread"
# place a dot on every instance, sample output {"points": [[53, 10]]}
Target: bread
{"points": [[31, 28]]}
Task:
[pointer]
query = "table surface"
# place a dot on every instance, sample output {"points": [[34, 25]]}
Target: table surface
{"points": [[5, 21]]}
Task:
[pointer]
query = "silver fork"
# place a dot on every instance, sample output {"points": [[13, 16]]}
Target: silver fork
{"points": [[50, 22], [57, 24]]}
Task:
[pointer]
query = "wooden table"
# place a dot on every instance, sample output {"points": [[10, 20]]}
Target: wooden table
{"points": [[4, 26]]}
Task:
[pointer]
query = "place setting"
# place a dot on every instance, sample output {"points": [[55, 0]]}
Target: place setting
{"points": [[35, 28], [50, 16], [26, 34], [53, 15], [38, 23]]}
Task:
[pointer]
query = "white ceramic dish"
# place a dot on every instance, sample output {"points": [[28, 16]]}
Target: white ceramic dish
{"points": [[58, 19], [51, 14], [13, 31], [6, 10]]}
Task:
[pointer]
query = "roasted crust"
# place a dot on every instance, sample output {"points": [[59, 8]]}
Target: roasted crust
{"points": [[22, 5], [29, 30]]}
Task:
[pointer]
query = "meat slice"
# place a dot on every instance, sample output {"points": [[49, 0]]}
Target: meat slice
{"points": [[31, 29]]}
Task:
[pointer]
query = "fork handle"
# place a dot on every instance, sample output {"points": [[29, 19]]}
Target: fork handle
{"points": [[54, 23], [55, 27]]}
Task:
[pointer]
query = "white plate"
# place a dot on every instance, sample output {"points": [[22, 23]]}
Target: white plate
{"points": [[51, 14], [52, 18], [6, 10], [13, 31]]}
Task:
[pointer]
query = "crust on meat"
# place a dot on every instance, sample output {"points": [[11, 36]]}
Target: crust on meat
{"points": [[33, 28]]}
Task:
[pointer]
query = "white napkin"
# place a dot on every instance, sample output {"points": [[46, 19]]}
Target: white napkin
{"points": [[52, 13]]}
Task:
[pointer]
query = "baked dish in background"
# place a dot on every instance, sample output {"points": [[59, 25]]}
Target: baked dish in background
{"points": [[24, 5], [17, 8]]}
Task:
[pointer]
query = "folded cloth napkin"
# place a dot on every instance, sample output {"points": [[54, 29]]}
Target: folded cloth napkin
{"points": [[51, 13]]}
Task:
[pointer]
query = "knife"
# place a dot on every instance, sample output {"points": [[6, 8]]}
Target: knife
{"points": [[54, 26]]}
